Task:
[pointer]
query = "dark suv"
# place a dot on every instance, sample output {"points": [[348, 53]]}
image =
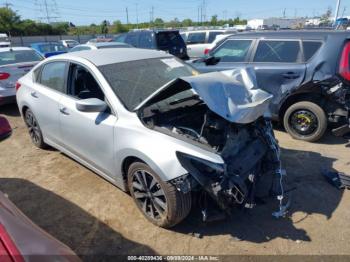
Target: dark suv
{"points": [[166, 40], [308, 72]]}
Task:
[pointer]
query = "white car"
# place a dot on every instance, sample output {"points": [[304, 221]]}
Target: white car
{"points": [[4, 40], [69, 43], [95, 46], [198, 41], [14, 63]]}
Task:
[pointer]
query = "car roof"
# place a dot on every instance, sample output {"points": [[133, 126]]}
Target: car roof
{"points": [[101, 44], [108, 56], [305, 34], [45, 43], [6, 49]]}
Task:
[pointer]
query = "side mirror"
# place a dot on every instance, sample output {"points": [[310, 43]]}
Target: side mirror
{"points": [[211, 60], [91, 105]]}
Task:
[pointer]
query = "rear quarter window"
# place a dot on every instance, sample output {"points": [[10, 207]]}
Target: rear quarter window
{"points": [[310, 49], [278, 51], [196, 38]]}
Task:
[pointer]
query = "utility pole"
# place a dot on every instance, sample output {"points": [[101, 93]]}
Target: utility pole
{"points": [[344, 9], [337, 10], [137, 15], [127, 15], [7, 4], [47, 12], [151, 15], [284, 13]]}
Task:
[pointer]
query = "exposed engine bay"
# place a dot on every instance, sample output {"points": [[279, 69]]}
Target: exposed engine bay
{"points": [[249, 150]]}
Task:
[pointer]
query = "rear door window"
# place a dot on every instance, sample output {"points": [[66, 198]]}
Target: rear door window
{"points": [[146, 41], [132, 39], [20, 56], [53, 76], [169, 39], [196, 38], [212, 36], [310, 48], [233, 50], [277, 51]]}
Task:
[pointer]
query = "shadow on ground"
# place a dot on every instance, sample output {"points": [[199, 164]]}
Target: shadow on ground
{"points": [[85, 234], [9, 110], [312, 194]]}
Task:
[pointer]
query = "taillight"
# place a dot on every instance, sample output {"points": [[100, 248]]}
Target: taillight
{"points": [[4, 76], [344, 66], [206, 51], [18, 85]]}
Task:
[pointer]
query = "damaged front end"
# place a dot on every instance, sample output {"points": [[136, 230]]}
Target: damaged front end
{"points": [[226, 114]]}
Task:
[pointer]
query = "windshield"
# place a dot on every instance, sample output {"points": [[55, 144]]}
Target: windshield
{"points": [[48, 48], [13, 57], [134, 81]]}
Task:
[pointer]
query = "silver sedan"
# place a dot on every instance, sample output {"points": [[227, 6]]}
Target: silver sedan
{"points": [[153, 126]]}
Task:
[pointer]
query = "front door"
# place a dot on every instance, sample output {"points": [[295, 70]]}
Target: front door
{"points": [[88, 135]]}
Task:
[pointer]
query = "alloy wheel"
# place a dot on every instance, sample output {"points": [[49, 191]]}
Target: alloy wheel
{"points": [[149, 195], [34, 130]]}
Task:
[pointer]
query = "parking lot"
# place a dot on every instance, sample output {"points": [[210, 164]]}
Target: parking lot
{"points": [[93, 217]]}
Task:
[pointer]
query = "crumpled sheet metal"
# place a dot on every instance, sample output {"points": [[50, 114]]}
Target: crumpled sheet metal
{"points": [[234, 94]]}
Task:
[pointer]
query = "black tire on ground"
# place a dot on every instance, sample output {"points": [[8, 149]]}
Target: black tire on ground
{"points": [[316, 111], [34, 129], [165, 209]]}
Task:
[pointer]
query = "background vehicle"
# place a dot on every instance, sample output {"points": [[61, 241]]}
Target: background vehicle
{"points": [[14, 63], [108, 108], [165, 40], [198, 41], [94, 46], [69, 43], [307, 71], [218, 39], [49, 48], [99, 40], [21, 239], [4, 41]]}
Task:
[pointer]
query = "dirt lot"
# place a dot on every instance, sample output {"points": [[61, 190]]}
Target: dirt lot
{"points": [[93, 217]]}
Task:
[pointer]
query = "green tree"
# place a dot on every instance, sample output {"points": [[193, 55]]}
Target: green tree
{"points": [[9, 21], [158, 22], [118, 27], [214, 20], [187, 22]]}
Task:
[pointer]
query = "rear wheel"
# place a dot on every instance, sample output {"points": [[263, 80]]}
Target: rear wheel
{"points": [[305, 121], [160, 202], [34, 129]]}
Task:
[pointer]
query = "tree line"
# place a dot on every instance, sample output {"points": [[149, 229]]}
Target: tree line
{"points": [[12, 24]]}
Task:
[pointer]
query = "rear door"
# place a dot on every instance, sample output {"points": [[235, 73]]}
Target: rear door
{"points": [[45, 96], [279, 67]]}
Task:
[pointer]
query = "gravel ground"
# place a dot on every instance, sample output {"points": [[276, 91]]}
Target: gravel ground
{"points": [[93, 217]]}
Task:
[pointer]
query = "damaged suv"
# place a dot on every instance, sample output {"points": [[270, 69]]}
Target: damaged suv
{"points": [[308, 72], [149, 124]]}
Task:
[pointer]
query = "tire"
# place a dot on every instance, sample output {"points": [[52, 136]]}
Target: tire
{"points": [[312, 118], [169, 208], [34, 129]]}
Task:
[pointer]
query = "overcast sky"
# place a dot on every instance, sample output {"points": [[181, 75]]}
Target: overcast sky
{"points": [[83, 12]]}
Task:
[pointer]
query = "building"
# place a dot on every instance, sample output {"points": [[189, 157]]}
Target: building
{"points": [[275, 23]]}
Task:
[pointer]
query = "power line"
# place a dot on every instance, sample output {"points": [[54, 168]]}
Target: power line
{"points": [[50, 10]]}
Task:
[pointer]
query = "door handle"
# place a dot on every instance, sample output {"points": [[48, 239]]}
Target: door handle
{"points": [[291, 75], [34, 94], [63, 111]]}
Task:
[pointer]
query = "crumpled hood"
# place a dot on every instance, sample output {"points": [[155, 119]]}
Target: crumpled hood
{"points": [[232, 94]]}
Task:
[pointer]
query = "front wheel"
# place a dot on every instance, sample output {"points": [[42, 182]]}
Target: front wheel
{"points": [[305, 121], [160, 202]]}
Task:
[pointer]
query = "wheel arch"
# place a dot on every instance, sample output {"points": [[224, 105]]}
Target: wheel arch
{"points": [[313, 97]]}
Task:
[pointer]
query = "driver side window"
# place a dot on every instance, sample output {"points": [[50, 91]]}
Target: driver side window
{"points": [[82, 84]]}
